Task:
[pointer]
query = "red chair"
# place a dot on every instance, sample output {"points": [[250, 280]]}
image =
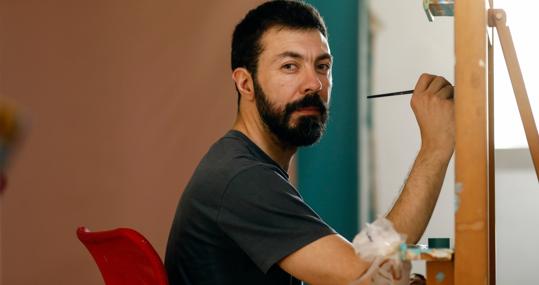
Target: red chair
{"points": [[124, 257]]}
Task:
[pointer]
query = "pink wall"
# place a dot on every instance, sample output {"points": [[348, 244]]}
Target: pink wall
{"points": [[122, 99]]}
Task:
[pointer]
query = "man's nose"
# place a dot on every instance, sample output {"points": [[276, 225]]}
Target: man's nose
{"points": [[311, 81]]}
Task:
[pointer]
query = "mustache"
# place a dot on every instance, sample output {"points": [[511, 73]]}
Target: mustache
{"points": [[312, 100]]}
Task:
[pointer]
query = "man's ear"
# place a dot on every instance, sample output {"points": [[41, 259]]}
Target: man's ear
{"points": [[244, 83]]}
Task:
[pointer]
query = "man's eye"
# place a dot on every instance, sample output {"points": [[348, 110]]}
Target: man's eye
{"points": [[289, 67], [324, 67]]}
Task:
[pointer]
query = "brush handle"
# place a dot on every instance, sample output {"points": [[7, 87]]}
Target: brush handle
{"points": [[391, 94]]}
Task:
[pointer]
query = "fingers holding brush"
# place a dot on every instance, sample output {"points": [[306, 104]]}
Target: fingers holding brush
{"points": [[433, 108]]}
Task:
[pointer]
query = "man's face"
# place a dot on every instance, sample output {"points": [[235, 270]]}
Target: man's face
{"points": [[293, 84]]}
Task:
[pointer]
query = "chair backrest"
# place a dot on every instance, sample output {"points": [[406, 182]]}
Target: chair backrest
{"points": [[124, 257]]}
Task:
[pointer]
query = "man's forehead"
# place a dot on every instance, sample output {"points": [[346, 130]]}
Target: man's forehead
{"points": [[278, 41]]}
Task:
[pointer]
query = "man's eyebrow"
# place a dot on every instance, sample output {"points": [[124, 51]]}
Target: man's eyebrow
{"points": [[289, 54], [299, 56], [324, 56]]}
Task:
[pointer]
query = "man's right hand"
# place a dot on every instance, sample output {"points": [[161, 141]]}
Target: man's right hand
{"points": [[433, 106]]}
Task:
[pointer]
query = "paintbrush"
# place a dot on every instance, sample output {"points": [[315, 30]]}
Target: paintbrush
{"points": [[391, 94]]}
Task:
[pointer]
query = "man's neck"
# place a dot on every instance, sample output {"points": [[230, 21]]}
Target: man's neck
{"points": [[265, 140]]}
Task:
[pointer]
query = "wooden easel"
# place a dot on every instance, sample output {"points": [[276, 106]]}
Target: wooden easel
{"points": [[474, 257]]}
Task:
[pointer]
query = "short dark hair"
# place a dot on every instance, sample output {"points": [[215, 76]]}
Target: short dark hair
{"points": [[246, 46]]}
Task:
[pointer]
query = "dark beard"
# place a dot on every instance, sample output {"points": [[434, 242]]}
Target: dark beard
{"points": [[308, 129]]}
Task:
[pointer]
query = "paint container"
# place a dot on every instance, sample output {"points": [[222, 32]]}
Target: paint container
{"points": [[439, 8]]}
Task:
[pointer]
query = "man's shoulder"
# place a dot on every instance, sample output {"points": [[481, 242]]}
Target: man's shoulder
{"points": [[234, 153], [229, 154], [224, 162]]}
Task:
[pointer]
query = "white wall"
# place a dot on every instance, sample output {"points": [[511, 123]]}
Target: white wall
{"points": [[517, 231], [406, 45]]}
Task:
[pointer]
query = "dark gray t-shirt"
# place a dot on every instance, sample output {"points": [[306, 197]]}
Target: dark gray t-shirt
{"points": [[238, 217]]}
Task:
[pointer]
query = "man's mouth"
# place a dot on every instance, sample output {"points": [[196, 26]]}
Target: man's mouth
{"points": [[308, 111]]}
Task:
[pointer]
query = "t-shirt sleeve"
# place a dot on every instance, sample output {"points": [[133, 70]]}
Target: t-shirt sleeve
{"points": [[267, 217]]}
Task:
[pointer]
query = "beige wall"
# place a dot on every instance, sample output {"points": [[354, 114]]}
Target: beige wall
{"points": [[122, 98]]}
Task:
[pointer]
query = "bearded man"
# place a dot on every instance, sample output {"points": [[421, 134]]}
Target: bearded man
{"points": [[239, 220]]}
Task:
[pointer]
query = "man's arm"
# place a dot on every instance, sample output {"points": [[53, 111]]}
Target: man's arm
{"points": [[329, 260], [433, 107]]}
